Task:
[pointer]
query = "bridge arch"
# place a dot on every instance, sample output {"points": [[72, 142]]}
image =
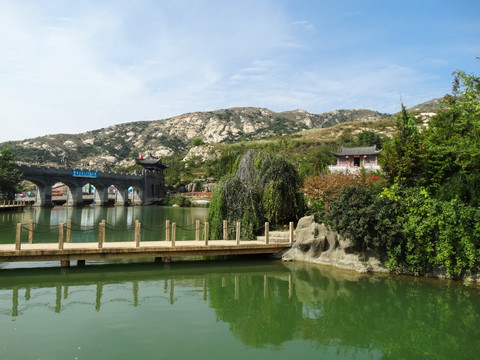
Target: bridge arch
{"points": [[147, 187]]}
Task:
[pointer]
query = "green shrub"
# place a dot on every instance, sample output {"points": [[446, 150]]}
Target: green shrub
{"points": [[177, 199], [197, 142]]}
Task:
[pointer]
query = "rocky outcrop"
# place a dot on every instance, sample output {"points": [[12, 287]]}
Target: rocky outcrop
{"points": [[203, 152], [316, 243]]}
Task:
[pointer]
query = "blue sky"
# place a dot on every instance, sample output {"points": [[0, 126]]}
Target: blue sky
{"points": [[72, 66]]}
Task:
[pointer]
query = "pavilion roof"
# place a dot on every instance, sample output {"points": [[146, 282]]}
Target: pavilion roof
{"points": [[351, 151], [151, 163]]}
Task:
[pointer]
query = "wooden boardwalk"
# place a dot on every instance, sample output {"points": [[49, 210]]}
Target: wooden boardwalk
{"points": [[115, 250], [65, 250], [12, 205]]}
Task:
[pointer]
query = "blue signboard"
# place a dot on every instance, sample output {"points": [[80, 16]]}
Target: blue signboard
{"points": [[85, 173]]}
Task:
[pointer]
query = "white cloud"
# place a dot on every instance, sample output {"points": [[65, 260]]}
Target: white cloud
{"points": [[77, 66]]}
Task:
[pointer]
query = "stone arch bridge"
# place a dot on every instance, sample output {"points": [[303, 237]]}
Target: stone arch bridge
{"points": [[148, 186]]}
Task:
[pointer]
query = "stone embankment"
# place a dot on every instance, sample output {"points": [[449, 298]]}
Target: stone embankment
{"points": [[315, 243]]}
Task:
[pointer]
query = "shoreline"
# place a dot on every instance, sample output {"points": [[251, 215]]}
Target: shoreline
{"points": [[316, 244]]}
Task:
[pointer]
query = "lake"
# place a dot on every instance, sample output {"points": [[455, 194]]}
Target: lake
{"points": [[249, 308], [120, 222]]}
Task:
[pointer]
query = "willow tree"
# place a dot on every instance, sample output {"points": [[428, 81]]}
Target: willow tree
{"points": [[264, 188]]}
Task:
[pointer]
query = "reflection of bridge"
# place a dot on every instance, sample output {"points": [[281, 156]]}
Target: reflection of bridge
{"points": [[148, 187], [92, 285]]}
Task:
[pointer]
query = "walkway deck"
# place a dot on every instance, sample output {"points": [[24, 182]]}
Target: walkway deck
{"points": [[112, 250], [12, 205]]}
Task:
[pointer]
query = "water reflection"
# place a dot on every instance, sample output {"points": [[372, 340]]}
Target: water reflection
{"points": [[272, 304], [120, 221]]}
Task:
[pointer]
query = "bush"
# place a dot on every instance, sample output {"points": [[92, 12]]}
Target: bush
{"points": [[361, 213], [197, 142], [443, 234], [177, 199]]}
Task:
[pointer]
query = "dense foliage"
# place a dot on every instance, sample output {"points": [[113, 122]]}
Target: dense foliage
{"points": [[426, 217], [10, 177], [264, 188]]}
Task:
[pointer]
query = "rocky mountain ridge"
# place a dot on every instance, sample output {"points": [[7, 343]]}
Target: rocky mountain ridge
{"points": [[121, 144]]}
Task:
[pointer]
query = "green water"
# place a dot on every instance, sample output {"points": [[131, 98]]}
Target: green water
{"points": [[120, 223], [237, 310], [243, 309]]}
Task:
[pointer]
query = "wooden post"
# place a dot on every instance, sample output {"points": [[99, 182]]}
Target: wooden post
{"points": [[167, 230], [265, 286], [137, 233], [30, 232], [290, 286], [69, 231], [174, 228], [267, 232], [237, 288], [18, 239], [103, 230], [237, 232], [225, 230], [60, 237], [197, 230], [291, 233], [206, 233], [101, 234]]}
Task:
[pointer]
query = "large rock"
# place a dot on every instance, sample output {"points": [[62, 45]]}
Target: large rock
{"points": [[316, 243]]}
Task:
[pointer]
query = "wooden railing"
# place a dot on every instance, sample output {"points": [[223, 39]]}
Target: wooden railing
{"points": [[64, 250]]}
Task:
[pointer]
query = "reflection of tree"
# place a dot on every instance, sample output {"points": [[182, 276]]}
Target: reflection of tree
{"points": [[393, 317], [261, 314], [400, 317]]}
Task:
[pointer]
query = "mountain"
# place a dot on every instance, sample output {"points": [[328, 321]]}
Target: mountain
{"points": [[121, 144], [431, 105]]}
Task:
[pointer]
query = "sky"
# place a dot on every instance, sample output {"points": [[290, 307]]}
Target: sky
{"points": [[73, 66]]}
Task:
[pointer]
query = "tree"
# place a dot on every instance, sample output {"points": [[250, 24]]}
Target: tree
{"points": [[197, 142], [402, 159], [323, 158], [370, 138], [279, 185], [10, 177], [452, 169], [325, 187], [174, 171], [264, 187], [225, 164], [436, 176]]}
